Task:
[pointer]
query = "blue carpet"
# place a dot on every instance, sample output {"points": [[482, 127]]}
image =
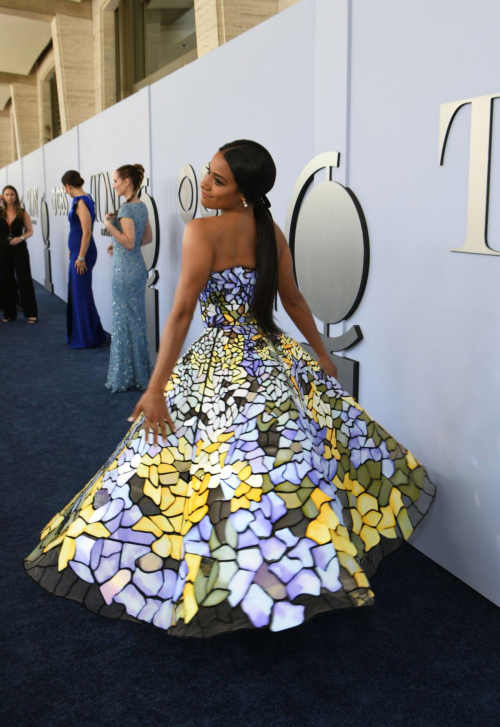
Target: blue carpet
{"points": [[427, 654]]}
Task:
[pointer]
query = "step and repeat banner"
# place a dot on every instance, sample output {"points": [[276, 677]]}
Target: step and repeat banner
{"points": [[34, 200], [381, 119], [59, 156]]}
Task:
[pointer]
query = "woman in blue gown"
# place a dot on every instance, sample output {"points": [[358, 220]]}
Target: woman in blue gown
{"points": [[84, 329], [130, 361]]}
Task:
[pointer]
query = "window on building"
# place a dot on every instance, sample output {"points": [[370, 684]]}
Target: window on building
{"points": [[50, 107], [54, 107], [152, 38]]}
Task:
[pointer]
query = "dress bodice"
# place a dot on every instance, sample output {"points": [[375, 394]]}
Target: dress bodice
{"points": [[225, 300], [75, 226], [15, 229], [74, 220], [138, 212]]}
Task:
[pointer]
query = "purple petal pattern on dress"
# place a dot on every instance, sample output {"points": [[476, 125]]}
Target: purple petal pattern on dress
{"points": [[275, 498]]}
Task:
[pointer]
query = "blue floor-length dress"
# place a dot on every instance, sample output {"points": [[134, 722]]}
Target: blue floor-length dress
{"points": [[84, 329], [130, 361]]}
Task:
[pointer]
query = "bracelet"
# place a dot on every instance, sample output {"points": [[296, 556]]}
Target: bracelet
{"points": [[81, 259]]}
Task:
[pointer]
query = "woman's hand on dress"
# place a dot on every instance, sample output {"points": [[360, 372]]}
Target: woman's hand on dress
{"points": [[110, 249], [80, 266], [328, 366], [108, 217], [16, 240], [154, 406]]}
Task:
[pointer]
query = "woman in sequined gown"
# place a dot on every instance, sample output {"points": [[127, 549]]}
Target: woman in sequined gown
{"points": [[251, 490], [130, 361]]}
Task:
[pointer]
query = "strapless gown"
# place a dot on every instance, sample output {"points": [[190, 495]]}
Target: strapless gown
{"points": [[275, 499]]}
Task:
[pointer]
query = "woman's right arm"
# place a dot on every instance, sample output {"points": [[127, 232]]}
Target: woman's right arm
{"points": [[126, 238], [296, 306], [197, 257]]}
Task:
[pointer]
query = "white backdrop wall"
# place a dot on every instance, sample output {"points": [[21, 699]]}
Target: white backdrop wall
{"points": [[15, 176], [365, 79], [59, 156], [430, 358], [33, 179], [233, 93]]}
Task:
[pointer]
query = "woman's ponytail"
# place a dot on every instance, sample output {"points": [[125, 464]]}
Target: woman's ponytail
{"points": [[254, 172], [266, 287]]}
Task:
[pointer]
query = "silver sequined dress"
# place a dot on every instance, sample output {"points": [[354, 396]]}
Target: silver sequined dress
{"points": [[130, 362]]}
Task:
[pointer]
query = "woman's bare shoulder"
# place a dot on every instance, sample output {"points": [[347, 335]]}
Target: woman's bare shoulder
{"points": [[206, 227]]}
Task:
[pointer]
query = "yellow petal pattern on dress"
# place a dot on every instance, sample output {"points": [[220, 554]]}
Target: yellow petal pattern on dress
{"points": [[276, 497]]}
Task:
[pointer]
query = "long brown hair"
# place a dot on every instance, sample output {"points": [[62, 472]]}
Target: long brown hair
{"points": [[17, 204]]}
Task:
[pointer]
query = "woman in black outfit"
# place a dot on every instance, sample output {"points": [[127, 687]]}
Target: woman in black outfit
{"points": [[15, 228]]}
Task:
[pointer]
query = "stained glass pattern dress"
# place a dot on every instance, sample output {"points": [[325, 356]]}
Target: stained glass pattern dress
{"points": [[275, 499]]}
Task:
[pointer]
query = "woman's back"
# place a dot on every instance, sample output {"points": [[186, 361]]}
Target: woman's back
{"points": [[75, 225], [234, 239]]}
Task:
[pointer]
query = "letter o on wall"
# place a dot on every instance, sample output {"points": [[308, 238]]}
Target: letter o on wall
{"points": [[329, 242]]}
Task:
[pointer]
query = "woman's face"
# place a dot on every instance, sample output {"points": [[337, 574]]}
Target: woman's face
{"points": [[219, 191], [9, 196], [69, 189], [123, 187]]}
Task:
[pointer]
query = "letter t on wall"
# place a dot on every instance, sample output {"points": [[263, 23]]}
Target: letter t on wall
{"points": [[479, 167]]}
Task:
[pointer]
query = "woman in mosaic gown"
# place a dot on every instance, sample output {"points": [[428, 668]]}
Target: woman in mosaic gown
{"points": [[83, 324], [251, 490], [130, 361]]}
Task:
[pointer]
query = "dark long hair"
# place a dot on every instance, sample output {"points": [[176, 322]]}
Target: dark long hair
{"points": [[17, 203], [254, 172]]}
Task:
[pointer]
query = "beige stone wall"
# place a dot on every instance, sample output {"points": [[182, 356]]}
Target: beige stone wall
{"points": [[241, 15], [103, 30], [207, 25], [218, 21], [284, 4], [43, 73], [5, 139], [25, 115], [83, 58], [74, 61]]}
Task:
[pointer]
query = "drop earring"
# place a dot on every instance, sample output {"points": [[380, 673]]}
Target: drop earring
{"points": [[245, 203]]}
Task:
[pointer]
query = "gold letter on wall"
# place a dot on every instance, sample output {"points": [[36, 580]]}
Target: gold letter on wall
{"points": [[479, 167]]}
